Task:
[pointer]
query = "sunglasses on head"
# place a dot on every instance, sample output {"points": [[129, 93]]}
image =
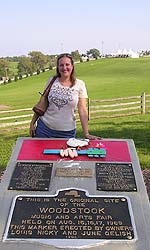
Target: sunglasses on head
{"points": [[64, 54]]}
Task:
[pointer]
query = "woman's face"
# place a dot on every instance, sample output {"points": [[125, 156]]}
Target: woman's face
{"points": [[65, 66]]}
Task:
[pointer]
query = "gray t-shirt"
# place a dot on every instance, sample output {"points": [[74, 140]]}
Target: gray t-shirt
{"points": [[63, 102]]}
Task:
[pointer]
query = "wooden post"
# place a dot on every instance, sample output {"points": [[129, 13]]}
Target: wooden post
{"points": [[143, 103]]}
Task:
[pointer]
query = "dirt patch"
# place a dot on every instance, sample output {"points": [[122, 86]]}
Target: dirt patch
{"points": [[6, 130], [3, 107]]}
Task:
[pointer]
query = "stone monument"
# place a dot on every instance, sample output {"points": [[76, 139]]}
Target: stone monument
{"points": [[53, 202]]}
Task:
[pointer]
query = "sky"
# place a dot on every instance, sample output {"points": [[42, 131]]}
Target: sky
{"points": [[59, 26]]}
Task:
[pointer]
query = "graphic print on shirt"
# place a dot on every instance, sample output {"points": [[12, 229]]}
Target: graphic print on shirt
{"points": [[60, 96]]}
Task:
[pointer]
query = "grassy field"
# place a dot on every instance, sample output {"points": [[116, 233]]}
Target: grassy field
{"points": [[105, 78]]}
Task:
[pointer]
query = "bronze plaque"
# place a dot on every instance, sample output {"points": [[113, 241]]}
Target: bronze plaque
{"points": [[31, 176], [71, 214], [74, 172], [115, 177]]}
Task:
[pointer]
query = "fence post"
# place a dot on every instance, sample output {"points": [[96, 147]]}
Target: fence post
{"points": [[89, 109], [143, 103]]}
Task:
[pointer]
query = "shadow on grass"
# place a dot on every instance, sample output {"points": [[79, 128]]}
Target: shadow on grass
{"points": [[137, 130]]}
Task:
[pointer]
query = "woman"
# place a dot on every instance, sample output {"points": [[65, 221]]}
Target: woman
{"points": [[67, 93]]}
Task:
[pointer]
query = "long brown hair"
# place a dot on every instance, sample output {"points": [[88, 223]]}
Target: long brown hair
{"points": [[72, 76]]}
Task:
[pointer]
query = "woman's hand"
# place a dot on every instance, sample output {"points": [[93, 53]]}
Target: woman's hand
{"points": [[92, 137], [33, 125], [32, 130]]}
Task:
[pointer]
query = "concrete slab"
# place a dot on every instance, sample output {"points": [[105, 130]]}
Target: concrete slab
{"points": [[138, 202]]}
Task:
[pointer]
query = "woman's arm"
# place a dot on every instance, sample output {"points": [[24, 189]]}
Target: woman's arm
{"points": [[36, 116], [82, 109], [32, 125]]}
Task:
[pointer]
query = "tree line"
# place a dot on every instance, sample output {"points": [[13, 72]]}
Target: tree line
{"points": [[36, 61]]}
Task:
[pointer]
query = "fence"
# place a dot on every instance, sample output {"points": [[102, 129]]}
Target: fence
{"points": [[116, 107]]}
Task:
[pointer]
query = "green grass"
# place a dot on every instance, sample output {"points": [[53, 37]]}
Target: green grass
{"points": [[23, 93], [106, 78], [133, 127]]}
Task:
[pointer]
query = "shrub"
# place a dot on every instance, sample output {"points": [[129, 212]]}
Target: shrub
{"points": [[16, 78]]}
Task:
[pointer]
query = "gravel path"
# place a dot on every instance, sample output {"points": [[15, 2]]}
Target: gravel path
{"points": [[146, 175]]}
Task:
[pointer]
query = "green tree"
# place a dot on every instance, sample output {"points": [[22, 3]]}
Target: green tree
{"points": [[76, 55], [39, 59], [25, 66], [94, 52], [4, 68], [51, 61]]}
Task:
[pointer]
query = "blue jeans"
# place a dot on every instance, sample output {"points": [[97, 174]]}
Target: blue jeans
{"points": [[42, 131]]}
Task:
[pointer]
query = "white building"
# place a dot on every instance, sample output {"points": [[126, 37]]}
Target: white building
{"points": [[126, 53]]}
